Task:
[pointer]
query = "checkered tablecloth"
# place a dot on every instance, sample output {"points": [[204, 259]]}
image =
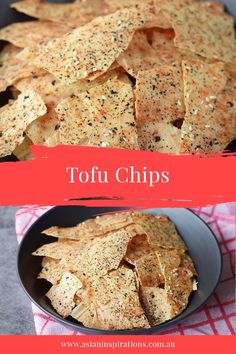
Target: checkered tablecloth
{"points": [[218, 317]]}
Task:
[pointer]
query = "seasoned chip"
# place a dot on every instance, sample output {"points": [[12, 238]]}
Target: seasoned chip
{"points": [[90, 228], [168, 260], [205, 31], [103, 116], [85, 50], [105, 254], [210, 121], [43, 127], [15, 117], [137, 248], [171, 8], [159, 102], [30, 33], [117, 301], [179, 285], [158, 136], [186, 262], [156, 305], [23, 151], [53, 270], [85, 85], [63, 250], [13, 69], [149, 271], [115, 5], [139, 55], [62, 295], [161, 232], [77, 13], [45, 84]]}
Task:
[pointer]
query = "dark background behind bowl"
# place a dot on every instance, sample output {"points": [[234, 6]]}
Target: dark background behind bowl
{"points": [[202, 245]]}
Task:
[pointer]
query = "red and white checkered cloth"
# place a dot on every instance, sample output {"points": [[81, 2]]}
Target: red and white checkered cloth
{"points": [[218, 317]]}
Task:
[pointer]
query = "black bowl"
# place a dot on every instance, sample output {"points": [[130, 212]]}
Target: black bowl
{"points": [[200, 240], [8, 16]]}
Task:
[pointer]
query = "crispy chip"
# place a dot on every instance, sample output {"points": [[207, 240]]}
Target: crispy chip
{"points": [[90, 228], [62, 295], [43, 127], [156, 305], [179, 285], [23, 151], [168, 259], [45, 84], [85, 85], [205, 31], [115, 5], [149, 271], [158, 136], [13, 69], [137, 248], [210, 121], [102, 116], [159, 102], [65, 249], [117, 302], [139, 55], [52, 270], [76, 13], [30, 33], [91, 48], [15, 117], [171, 8], [105, 254], [186, 262], [161, 232]]}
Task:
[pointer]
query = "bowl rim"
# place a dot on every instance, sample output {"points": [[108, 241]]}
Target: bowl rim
{"points": [[139, 331]]}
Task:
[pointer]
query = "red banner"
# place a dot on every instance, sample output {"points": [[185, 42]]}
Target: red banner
{"points": [[93, 176], [118, 344]]}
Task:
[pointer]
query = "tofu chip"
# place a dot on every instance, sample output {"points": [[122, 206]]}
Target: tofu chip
{"points": [[156, 305], [186, 262], [85, 50], [44, 84], [168, 260], [23, 151], [52, 270], [117, 303], [148, 271], [43, 127], [139, 55], [159, 103], [77, 13], [179, 285], [205, 31], [62, 295], [15, 117], [103, 116], [13, 69], [161, 232], [105, 254], [65, 249], [137, 248], [210, 120], [91, 228], [171, 8], [158, 136], [31, 33]]}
